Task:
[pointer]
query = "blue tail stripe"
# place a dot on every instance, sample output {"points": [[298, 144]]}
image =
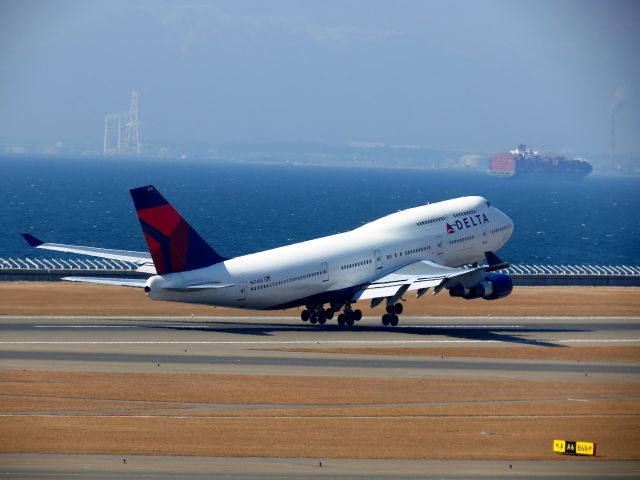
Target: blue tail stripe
{"points": [[147, 197]]}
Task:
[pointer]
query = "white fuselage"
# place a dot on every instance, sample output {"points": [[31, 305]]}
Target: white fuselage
{"points": [[451, 233]]}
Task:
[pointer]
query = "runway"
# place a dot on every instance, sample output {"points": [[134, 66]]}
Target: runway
{"points": [[109, 467], [425, 400], [264, 344]]}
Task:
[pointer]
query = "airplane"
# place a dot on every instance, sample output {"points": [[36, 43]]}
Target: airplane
{"points": [[437, 246]]}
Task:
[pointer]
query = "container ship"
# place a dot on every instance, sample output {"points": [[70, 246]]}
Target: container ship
{"points": [[526, 162]]}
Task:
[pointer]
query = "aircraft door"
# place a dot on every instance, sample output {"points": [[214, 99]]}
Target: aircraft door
{"points": [[485, 238], [324, 268], [242, 292], [378, 256], [439, 245]]}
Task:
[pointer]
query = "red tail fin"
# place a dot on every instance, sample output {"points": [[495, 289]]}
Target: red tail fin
{"points": [[174, 245]]}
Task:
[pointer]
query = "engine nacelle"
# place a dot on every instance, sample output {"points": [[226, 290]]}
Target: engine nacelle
{"points": [[494, 286], [458, 291], [502, 286]]}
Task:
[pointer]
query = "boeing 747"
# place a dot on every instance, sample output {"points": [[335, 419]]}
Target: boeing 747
{"points": [[437, 246]]}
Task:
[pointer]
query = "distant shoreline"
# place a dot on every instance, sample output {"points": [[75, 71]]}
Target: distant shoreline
{"points": [[120, 159]]}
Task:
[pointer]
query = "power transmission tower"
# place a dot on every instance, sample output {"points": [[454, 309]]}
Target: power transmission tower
{"points": [[133, 132], [126, 143], [106, 135], [118, 145]]}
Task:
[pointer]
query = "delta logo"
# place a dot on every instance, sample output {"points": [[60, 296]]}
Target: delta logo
{"points": [[467, 222]]}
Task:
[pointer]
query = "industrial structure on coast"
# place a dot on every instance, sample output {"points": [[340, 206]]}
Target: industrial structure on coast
{"points": [[126, 138]]}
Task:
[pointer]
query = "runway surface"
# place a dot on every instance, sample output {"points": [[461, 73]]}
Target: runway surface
{"points": [[236, 344], [107, 467], [284, 346]]}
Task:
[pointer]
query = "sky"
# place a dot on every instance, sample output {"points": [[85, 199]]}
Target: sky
{"points": [[457, 75]]}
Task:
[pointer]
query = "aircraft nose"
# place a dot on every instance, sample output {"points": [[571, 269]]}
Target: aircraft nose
{"points": [[505, 221], [509, 223]]}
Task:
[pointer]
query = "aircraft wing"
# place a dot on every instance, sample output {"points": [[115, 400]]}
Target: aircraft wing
{"points": [[142, 259], [423, 275]]}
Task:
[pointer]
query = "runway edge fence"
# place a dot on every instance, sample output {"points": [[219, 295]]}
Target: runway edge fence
{"points": [[51, 269]]}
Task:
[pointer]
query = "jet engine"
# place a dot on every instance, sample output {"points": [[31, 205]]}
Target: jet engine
{"points": [[492, 287]]}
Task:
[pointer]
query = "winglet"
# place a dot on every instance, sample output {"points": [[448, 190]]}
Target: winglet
{"points": [[31, 240], [494, 262]]}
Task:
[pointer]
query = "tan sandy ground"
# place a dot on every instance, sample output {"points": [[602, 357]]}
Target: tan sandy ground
{"points": [[285, 390], [60, 298], [398, 438], [592, 354], [333, 417]]}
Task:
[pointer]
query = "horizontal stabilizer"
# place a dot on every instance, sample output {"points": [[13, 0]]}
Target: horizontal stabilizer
{"points": [[197, 288], [124, 282]]}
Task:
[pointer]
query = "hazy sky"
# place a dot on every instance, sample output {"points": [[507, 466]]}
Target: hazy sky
{"points": [[465, 75]]}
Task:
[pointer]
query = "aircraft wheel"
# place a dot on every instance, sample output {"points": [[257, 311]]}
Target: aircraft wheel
{"points": [[328, 313], [357, 315], [314, 318], [394, 320], [398, 308], [350, 321], [385, 319], [322, 320], [305, 315], [341, 319]]}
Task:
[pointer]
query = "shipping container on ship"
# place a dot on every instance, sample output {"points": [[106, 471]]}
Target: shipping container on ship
{"points": [[526, 162]]}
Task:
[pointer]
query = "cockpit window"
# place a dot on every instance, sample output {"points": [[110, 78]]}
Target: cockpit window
{"points": [[488, 203]]}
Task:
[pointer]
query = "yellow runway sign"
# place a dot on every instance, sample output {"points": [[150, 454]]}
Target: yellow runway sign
{"points": [[571, 447]]}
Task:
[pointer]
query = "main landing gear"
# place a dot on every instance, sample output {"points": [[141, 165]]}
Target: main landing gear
{"points": [[391, 317], [318, 314], [349, 316]]}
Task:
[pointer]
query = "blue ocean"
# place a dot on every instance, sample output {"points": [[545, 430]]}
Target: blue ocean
{"points": [[243, 208]]}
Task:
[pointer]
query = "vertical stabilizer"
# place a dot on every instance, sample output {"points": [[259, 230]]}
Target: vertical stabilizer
{"points": [[174, 245]]}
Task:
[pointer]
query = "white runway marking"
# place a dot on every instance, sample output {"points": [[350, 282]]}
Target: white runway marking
{"points": [[459, 326], [298, 342], [200, 325], [86, 326]]}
